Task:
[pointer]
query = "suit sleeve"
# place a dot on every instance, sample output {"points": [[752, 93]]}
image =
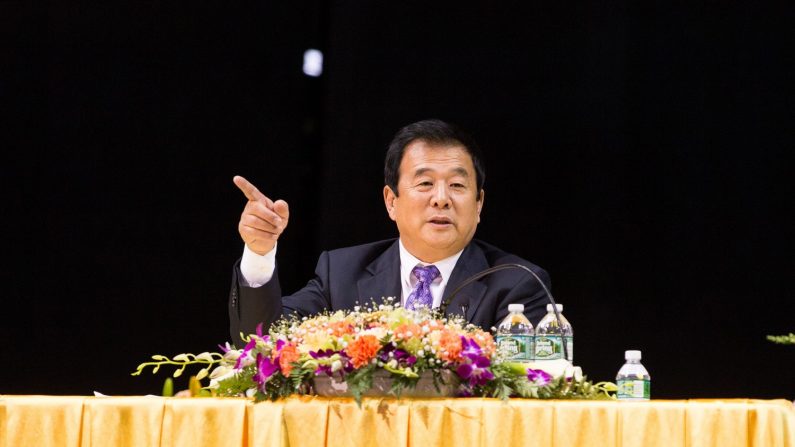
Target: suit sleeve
{"points": [[250, 306]]}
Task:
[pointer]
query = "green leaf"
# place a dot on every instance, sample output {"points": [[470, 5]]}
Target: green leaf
{"points": [[359, 381]]}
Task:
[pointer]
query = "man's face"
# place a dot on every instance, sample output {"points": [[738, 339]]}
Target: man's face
{"points": [[438, 206]]}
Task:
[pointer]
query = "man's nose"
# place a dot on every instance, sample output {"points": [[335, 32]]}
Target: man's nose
{"points": [[441, 197]]}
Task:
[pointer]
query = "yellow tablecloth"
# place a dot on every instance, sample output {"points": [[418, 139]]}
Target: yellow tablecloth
{"points": [[314, 421]]}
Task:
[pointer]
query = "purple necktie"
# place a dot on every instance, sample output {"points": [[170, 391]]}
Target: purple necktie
{"points": [[421, 295]]}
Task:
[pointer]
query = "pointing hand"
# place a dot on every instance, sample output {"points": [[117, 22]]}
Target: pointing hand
{"points": [[263, 220]]}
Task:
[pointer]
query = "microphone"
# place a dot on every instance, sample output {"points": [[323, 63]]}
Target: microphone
{"points": [[497, 268]]}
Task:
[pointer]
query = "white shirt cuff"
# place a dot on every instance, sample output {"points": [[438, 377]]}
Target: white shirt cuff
{"points": [[257, 269]]}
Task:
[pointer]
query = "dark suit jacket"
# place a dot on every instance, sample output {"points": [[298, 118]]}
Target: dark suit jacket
{"points": [[364, 273]]}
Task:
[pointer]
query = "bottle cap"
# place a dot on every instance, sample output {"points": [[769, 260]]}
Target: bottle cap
{"points": [[632, 355], [516, 308], [549, 307]]}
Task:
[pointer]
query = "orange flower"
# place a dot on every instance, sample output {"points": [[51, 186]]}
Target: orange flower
{"points": [[340, 328], [450, 343], [362, 350], [288, 355], [485, 341], [407, 330]]}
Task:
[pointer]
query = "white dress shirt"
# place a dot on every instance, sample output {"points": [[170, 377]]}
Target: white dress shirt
{"points": [[408, 280], [257, 269]]}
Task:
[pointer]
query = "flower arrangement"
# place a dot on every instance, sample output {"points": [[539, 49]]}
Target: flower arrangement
{"points": [[353, 346]]}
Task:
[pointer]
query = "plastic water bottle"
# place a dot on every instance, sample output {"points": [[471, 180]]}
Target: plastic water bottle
{"points": [[515, 335], [633, 380], [550, 336]]}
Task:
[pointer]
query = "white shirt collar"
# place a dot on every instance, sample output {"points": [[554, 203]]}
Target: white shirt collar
{"points": [[407, 280]]}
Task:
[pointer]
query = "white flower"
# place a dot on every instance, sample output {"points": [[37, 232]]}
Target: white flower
{"points": [[205, 356], [247, 360], [575, 372], [379, 332], [231, 356], [220, 374]]}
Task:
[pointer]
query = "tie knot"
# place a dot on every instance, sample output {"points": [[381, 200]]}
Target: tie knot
{"points": [[426, 274]]}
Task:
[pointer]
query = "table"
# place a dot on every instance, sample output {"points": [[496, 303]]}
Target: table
{"points": [[315, 421]]}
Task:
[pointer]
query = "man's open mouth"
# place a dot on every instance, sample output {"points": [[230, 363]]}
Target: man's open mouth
{"points": [[440, 221]]}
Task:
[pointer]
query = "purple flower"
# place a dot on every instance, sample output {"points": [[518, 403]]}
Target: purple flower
{"points": [[327, 369], [476, 371], [259, 330], [383, 354], [252, 343], [470, 348], [538, 376], [265, 369], [324, 354], [403, 357]]}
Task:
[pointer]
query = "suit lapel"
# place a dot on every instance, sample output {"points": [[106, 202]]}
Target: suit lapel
{"points": [[382, 278], [469, 298]]}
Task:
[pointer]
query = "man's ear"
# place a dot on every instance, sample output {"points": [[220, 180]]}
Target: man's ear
{"points": [[480, 202], [389, 201]]}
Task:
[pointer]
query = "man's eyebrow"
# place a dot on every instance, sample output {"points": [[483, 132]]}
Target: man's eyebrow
{"points": [[459, 171]]}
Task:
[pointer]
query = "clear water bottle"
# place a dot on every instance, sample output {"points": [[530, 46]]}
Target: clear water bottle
{"points": [[634, 382], [514, 335], [550, 336]]}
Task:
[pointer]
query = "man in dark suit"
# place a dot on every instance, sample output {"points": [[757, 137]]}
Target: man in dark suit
{"points": [[434, 179]]}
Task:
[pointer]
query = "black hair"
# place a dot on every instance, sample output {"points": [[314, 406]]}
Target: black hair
{"points": [[432, 131]]}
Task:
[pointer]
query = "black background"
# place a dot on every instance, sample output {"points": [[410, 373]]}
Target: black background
{"points": [[638, 153]]}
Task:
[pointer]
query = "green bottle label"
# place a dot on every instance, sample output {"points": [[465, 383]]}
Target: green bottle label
{"points": [[633, 389], [518, 348], [569, 347], [548, 347]]}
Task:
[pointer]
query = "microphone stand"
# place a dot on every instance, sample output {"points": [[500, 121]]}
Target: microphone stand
{"points": [[497, 268]]}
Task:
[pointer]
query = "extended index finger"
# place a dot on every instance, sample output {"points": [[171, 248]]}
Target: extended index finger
{"points": [[249, 190]]}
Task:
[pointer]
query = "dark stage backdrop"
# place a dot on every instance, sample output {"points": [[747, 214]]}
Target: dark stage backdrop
{"points": [[639, 154]]}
